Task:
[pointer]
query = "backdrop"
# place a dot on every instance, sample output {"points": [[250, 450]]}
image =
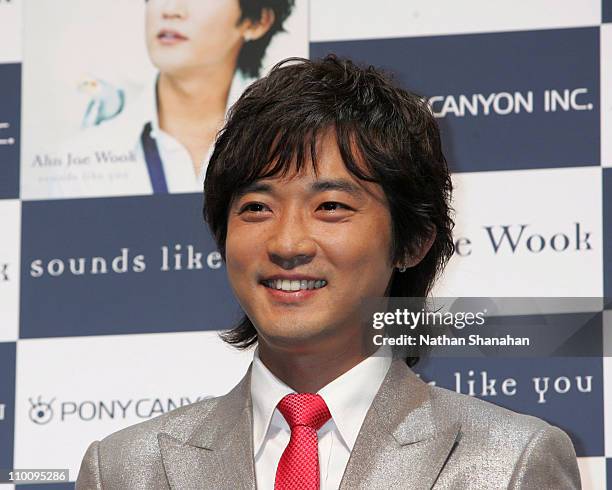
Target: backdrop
{"points": [[96, 265]]}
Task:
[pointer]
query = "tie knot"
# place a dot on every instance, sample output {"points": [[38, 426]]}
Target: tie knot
{"points": [[307, 409]]}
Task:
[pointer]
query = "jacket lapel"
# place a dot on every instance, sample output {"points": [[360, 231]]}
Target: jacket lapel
{"points": [[219, 452], [402, 444]]}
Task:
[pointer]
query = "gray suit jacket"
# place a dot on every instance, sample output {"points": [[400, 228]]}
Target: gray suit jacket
{"points": [[414, 436]]}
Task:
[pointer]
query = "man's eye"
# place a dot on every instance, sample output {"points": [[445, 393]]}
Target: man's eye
{"points": [[253, 207], [333, 206]]}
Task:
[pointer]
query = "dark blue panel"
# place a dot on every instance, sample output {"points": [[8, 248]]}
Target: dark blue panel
{"points": [[126, 235], [606, 10], [607, 233], [7, 403], [513, 63], [532, 376], [609, 473], [10, 104]]}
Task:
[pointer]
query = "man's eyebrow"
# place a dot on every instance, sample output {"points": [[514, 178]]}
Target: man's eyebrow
{"points": [[317, 186], [336, 185], [253, 187]]}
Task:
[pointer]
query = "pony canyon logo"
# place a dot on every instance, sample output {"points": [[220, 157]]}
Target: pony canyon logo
{"points": [[42, 412]]}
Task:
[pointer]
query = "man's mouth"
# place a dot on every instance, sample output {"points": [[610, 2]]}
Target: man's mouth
{"points": [[294, 285], [167, 35]]}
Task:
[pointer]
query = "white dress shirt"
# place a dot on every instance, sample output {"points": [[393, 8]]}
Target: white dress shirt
{"points": [[348, 398], [111, 158]]}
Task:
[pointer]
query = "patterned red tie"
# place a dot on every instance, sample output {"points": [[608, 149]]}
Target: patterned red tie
{"points": [[298, 468]]}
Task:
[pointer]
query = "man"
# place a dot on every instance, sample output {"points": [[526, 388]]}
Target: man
{"points": [[327, 186]]}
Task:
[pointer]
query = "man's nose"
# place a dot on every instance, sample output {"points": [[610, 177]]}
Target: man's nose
{"points": [[290, 244], [173, 9]]}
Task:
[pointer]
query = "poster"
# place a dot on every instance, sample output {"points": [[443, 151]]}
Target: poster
{"points": [[126, 98]]}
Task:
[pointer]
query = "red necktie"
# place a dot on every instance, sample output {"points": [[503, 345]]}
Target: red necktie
{"points": [[298, 468]]}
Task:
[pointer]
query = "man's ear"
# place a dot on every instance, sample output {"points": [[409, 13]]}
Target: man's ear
{"points": [[415, 258], [256, 30]]}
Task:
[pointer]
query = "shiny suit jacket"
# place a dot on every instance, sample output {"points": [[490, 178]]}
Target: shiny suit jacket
{"points": [[414, 436]]}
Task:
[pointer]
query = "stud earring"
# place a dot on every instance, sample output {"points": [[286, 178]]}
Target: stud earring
{"points": [[247, 37], [402, 268]]}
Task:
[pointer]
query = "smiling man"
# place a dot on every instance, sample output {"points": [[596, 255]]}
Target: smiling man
{"points": [[300, 273], [328, 187]]}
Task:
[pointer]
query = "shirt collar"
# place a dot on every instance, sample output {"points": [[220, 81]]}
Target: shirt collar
{"points": [[143, 108], [348, 397], [140, 110], [266, 391]]}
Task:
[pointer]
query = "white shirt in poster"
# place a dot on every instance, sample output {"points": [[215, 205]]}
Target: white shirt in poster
{"points": [[108, 160]]}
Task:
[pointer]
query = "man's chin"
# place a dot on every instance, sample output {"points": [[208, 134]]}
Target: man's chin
{"points": [[294, 336], [169, 63]]}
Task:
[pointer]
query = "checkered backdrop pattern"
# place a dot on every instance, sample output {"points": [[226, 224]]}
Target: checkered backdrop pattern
{"points": [[110, 306]]}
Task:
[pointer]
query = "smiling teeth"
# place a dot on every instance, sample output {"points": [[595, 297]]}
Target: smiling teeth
{"points": [[296, 285]]}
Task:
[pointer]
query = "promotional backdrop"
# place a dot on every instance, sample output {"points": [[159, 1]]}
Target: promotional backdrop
{"points": [[97, 264]]}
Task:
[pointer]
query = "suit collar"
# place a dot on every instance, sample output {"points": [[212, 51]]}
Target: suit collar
{"points": [[231, 412], [403, 442], [218, 454], [403, 405]]}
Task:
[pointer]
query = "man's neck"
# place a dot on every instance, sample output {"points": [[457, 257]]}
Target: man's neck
{"points": [[191, 107], [192, 99], [308, 371]]}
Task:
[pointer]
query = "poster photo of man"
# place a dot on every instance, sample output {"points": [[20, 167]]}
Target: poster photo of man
{"points": [[128, 100]]}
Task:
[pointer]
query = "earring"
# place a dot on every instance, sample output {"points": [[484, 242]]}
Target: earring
{"points": [[247, 37], [402, 268]]}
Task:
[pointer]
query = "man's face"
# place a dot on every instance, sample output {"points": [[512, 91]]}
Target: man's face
{"points": [[187, 34], [331, 230]]}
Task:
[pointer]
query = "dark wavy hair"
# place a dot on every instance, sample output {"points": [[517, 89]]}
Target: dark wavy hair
{"points": [[252, 52], [274, 127]]}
